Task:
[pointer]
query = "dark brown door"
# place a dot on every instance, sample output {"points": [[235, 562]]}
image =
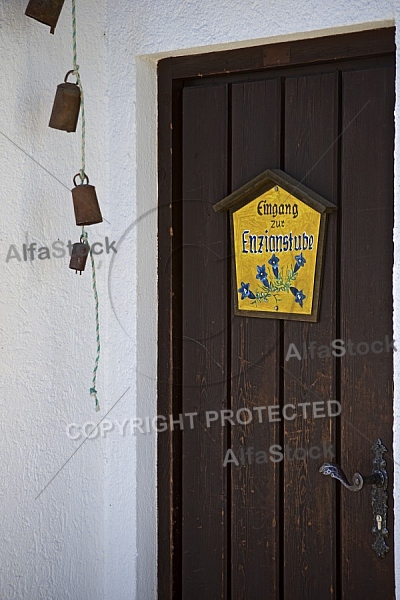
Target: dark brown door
{"points": [[321, 110]]}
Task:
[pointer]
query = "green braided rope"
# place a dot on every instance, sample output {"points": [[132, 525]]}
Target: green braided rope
{"points": [[84, 235], [93, 391], [78, 80]]}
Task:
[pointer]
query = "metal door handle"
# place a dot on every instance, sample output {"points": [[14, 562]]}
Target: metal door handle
{"points": [[377, 478], [379, 481]]}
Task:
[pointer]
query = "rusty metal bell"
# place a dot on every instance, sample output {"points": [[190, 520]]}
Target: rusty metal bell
{"points": [[45, 11], [79, 255], [86, 205], [67, 103]]}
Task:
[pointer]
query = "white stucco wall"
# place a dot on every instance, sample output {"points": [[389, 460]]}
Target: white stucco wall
{"points": [[92, 533]]}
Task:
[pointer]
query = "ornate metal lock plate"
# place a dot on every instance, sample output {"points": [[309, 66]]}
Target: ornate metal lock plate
{"points": [[379, 481]]}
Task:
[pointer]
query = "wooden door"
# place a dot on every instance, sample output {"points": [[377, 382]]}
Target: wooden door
{"points": [[321, 110]]}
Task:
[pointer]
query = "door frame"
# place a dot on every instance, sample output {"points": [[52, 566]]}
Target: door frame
{"points": [[171, 72]]}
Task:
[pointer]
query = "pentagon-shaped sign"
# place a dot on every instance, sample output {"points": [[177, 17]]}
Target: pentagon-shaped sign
{"points": [[278, 231]]}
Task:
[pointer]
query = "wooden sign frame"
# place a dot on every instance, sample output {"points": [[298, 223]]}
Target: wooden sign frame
{"points": [[251, 191]]}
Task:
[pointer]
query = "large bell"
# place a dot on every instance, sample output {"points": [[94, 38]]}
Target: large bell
{"points": [[45, 11], [67, 103], [86, 205]]}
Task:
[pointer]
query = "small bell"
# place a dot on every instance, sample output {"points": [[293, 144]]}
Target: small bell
{"points": [[67, 103], [86, 205], [79, 255], [45, 11]]}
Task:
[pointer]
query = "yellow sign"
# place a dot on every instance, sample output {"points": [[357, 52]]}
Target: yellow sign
{"points": [[277, 230], [276, 241]]}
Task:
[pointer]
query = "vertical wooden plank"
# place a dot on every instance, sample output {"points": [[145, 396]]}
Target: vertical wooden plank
{"points": [[311, 124], [256, 114], [366, 281], [204, 328], [165, 480], [254, 370]]}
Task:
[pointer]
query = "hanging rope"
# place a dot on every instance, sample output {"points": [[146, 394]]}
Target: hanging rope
{"points": [[84, 235], [93, 391], [79, 83]]}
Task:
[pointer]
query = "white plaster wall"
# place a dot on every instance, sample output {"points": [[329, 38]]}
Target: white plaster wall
{"points": [[52, 546], [92, 533]]}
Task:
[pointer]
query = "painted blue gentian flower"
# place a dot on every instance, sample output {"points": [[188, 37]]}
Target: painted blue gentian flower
{"points": [[262, 276], [246, 293], [300, 262], [298, 296], [273, 261]]}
